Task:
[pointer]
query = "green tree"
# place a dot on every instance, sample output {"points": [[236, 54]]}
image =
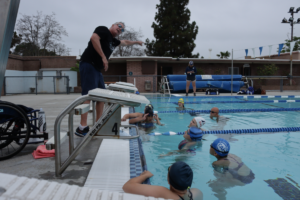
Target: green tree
{"points": [[286, 48], [30, 49], [174, 35], [26, 49], [199, 71], [15, 40], [267, 70], [225, 55]]}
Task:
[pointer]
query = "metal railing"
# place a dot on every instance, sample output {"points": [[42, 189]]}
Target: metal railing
{"points": [[262, 81], [36, 85], [109, 111]]}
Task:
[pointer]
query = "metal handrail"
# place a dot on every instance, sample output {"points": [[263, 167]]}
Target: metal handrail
{"points": [[115, 104]]}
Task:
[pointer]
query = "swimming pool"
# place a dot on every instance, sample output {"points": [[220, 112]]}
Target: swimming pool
{"points": [[273, 157]]}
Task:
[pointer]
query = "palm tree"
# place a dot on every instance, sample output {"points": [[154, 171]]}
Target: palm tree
{"points": [[224, 55]]}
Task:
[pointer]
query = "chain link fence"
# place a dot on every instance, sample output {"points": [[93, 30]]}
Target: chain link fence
{"points": [[36, 85]]}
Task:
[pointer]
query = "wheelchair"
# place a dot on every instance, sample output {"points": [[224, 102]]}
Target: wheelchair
{"points": [[18, 127]]}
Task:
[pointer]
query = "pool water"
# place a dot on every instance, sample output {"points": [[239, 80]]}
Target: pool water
{"points": [[269, 156]]}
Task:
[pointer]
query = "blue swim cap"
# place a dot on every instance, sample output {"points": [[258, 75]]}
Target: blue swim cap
{"points": [[180, 176], [195, 134], [221, 146]]}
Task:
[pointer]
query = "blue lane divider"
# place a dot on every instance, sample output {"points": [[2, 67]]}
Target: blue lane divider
{"points": [[238, 131], [273, 101], [243, 96], [233, 110]]}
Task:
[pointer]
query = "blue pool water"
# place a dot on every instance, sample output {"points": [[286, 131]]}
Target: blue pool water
{"points": [[269, 156]]}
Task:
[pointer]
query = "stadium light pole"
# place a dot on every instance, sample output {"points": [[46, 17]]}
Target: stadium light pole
{"points": [[291, 22]]}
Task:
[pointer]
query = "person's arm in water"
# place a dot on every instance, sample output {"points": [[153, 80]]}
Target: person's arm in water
{"points": [[135, 186], [131, 115], [95, 39], [138, 119], [157, 119]]}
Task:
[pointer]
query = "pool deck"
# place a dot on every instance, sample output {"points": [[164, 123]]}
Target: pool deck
{"points": [[23, 164]]}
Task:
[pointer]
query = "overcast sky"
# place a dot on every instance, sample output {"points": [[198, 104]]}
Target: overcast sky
{"points": [[223, 24]]}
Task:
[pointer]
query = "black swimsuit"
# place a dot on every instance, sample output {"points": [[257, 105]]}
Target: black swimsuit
{"points": [[191, 197]]}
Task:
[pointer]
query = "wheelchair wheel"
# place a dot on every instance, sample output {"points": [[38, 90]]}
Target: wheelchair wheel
{"points": [[14, 126]]}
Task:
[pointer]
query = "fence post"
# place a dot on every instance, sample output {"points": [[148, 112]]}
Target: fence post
{"points": [[36, 85], [68, 89], [54, 83], [281, 84], [153, 84], [4, 83], [119, 78]]}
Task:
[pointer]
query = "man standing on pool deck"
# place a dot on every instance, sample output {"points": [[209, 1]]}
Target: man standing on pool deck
{"points": [[190, 72], [94, 59]]}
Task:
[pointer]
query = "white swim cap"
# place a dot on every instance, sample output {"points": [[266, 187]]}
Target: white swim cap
{"points": [[200, 121]]}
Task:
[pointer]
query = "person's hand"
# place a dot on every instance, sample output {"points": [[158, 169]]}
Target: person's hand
{"points": [[146, 174], [145, 116], [155, 116], [105, 63], [140, 43], [123, 119]]}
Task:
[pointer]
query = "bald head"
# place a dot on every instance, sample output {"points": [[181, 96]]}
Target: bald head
{"points": [[214, 112]]}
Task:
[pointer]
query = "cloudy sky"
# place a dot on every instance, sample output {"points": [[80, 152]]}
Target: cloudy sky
{"points": [[223, 25]]}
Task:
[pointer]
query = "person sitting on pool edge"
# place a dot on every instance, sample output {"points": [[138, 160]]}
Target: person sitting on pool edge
{"points": [[147, 117], [180, 178], [229, 164]]}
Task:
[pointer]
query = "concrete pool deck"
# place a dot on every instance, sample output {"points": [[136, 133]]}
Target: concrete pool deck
{"points": [[23, 164]]}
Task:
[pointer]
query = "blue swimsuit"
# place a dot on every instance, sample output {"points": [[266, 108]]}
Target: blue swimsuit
{"points": [[234, 172]]}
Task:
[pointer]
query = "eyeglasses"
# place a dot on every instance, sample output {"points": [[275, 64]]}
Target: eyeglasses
{"points": [[122, 29], [218, 150]]}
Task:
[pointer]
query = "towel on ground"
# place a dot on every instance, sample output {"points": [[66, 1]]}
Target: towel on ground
{"points": [[42, 152]]}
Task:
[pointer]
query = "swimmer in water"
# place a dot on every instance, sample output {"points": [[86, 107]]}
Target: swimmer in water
{"points": [[229, 169], [147, 117], [192, 137], [180, 104], [180, 179], [181, 107]]}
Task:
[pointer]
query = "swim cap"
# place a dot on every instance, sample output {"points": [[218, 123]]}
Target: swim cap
{"points": [[191, 63], [195, 134], [181, 101], [180, 176], [200, 121], [149, 111], [150, 106], [221, 146]]}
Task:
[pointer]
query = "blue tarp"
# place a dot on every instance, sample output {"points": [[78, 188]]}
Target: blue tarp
{"points": [[222, 82], [206, 77]]}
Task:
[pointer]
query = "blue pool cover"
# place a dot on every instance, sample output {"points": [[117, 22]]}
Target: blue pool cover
{"points": [[222, 82]]}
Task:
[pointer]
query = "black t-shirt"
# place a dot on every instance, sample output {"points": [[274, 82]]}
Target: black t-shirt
{"points": [[108, 44], [191, 75]]}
